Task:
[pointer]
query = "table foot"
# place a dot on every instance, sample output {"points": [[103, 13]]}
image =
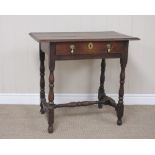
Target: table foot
{"points": [[42, 111], [119, 111], [50, 115], [119, 122], [42, 103], [50, 129], [100, 106]]}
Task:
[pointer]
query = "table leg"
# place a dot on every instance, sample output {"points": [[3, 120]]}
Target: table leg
{"points": [[101, 91], [42, 81], [120, 105], [51, 91]]}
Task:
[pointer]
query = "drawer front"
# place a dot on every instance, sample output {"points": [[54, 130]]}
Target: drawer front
{"points": [[88, 48]]}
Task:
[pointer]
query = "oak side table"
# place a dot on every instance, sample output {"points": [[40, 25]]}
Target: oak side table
{"points": [[81, 45]]}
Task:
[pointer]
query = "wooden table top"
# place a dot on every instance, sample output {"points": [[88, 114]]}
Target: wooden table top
{"points": [[80, 36]]}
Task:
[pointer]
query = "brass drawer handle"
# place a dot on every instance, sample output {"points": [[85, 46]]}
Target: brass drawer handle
{"points": [[109, 47], [72, 47]]}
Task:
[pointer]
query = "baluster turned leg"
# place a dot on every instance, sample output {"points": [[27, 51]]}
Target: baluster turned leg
{"points": [[120, 105], [42, 81], [51, 90], [101, 91]]}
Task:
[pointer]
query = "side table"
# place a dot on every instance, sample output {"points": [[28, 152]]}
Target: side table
{"points": [[81, 45]]}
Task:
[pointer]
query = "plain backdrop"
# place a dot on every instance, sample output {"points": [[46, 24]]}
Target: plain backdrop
{"points": [[19, 55]]}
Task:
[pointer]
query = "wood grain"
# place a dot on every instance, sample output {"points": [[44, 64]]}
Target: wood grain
{"points": [[63, 48], [80, 36]]}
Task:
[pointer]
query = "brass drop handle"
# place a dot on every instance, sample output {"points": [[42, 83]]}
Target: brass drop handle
{"points": [[72, 47], [109, 47]]}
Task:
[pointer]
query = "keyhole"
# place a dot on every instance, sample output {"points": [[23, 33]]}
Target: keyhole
{"points": [[90, 46]]}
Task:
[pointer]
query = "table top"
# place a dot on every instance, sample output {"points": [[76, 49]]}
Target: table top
{"points": [[80, 36]]}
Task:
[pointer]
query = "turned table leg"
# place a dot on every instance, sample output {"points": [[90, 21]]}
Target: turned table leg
{"points": [[120, 105], [42, 81], [101, 91], [51, 90]]}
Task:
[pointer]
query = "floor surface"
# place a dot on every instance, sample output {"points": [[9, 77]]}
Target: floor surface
{"points": [[25, 121]]}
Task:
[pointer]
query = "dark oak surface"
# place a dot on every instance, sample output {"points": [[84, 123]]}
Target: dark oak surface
{"points": [[80, 36]]}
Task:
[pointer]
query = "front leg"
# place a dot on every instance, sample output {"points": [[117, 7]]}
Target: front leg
{"points": [[51, 89], [50, 112], [101, 91], [120, 105], [42, 80]]}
